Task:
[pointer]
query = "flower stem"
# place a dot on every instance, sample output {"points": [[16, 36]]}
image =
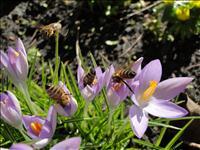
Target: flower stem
{"points": [[24, 135], [111, 112], [85, 115], [56, 58], [31, 106], [24, 90]]}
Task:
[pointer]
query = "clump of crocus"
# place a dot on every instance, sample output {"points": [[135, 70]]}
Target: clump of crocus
{"points": [[68, 144], [41, 130], [70, 107], [90, 83], [15, 63], [152, 97], [118, 91], [10, 110]]}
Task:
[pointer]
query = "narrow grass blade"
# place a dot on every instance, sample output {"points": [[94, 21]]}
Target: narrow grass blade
{"points": [[177, 136]]}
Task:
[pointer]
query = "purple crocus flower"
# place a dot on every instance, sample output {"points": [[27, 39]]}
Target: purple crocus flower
{"points": [[68, 144], [90, 91], [116, 92], [15, 62], [40, 129], [10, 110], [152, 97], [71, 107]]}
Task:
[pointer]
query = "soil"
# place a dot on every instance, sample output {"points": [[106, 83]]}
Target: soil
{"points": [[113, 39]]}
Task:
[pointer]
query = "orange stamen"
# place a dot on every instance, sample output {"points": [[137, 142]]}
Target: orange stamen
{"points": [[116, 86], [94, 81], [150, 90], [36, 127], [16, 53]]}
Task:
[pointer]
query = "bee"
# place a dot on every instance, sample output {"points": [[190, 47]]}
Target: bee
{"points": [[58, 94], [51, 29], [121, 75], [89, 78]]}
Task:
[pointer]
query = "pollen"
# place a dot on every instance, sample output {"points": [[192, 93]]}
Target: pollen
{"points": [[150, 90], [94, 81], [36, 127], [16, 53], [116, 86], [4, 101]]}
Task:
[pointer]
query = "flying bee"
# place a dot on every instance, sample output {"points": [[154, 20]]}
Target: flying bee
{"points": [[121, 75], [58, 94], [89, 78], [51, 29]]}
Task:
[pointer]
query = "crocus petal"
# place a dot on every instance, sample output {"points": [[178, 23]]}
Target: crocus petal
{"points": [[152, 71], [14, 60], [136, 67], [20, 46], [113, 98], [22, 65], [11, 116], [14, 101], [3, 59], [68, 144], [139, 120], [133, 98], [72, 107], [12, 55], [20, 146], [108, 74], [80, 75], [100, 80], [41, 143], [165, 109], [88, 93], [52, 118], [170, 88]]}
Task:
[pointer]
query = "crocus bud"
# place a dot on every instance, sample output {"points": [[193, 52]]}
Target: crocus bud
{"points": [[10, 110], [15, 62]]}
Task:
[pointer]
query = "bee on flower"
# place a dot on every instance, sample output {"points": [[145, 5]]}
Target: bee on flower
{"points": [[120, 84], [90, 83]]}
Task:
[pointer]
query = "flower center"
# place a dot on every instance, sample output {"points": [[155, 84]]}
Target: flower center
{"points": [[4, 101], [116, 86], [150, 90], [36, 127], [16, 53], [94, 81]]}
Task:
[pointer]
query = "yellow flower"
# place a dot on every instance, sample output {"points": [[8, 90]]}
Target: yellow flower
{"points": [[182, 13], [195, 3], [168, 1]]}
